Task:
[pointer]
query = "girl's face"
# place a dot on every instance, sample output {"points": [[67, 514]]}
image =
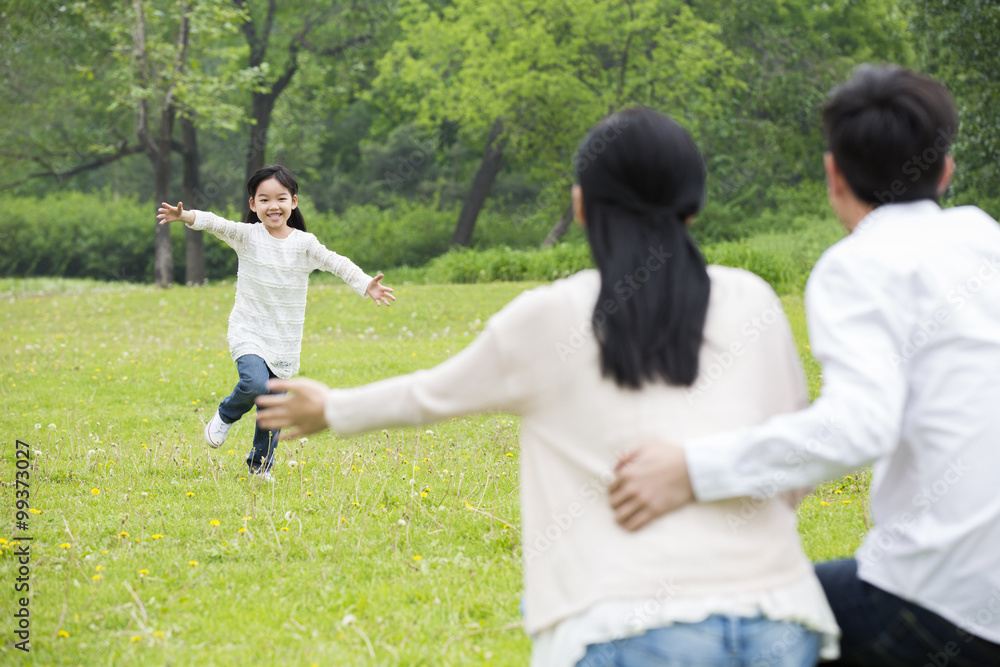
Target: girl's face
{"points": [[273, 204]]}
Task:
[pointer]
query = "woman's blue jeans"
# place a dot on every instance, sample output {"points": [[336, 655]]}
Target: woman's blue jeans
{"points": [[718, 641], [254, 374]]}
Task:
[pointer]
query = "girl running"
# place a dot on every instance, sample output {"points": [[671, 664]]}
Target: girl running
{"points": [[276, 257]]}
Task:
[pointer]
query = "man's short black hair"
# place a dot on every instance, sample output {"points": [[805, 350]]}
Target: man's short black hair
{"points": [[889, 129]]}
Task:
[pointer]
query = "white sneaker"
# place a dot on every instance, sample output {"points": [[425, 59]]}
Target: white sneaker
{"points": [[265, 476], [216, 431]]}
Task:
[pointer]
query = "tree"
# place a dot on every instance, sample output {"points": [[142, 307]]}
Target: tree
{"points": [[331, 30], [135, 73], [958, 41], [527, 78]]}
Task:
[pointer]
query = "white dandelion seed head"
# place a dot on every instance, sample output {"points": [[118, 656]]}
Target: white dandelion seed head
{"points": [[401, 522], [348, 619], [293, 464]]}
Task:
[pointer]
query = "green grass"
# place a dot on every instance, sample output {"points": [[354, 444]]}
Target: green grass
{"points": [[152, 549]]}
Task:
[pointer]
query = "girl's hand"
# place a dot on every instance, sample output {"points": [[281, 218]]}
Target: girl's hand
{"points": [[301, 409], [168, 213], [378, 292]]}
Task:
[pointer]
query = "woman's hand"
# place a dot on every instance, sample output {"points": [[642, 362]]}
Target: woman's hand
{"points": [[378, 292], [301, 409], [167, 213]]}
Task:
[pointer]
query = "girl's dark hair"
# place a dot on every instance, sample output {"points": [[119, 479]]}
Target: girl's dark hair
{"points": [[284, 177], [889, 130], [641, 176]]}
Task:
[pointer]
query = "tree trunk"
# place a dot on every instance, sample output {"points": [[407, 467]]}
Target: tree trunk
{"points": [[481, 185], [194, 245], [559, 229], [263, 104], [163, 264]]}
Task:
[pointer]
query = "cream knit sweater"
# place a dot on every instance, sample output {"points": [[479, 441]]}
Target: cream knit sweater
{"points": [[537, 358], [271, 285]]}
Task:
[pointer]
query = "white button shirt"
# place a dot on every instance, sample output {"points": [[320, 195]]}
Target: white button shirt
{"points": [[904, 316]]}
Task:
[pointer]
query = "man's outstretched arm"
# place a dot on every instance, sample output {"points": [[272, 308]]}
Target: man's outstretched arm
{"points": [[855, 421]]}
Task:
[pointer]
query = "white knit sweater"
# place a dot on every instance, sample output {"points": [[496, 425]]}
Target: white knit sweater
{"points": [[271, 285], [538, 358]]}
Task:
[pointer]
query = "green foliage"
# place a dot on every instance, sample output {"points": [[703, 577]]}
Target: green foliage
{"points": [[507, 264], [97, 236], [959, 42], [107, 237]]}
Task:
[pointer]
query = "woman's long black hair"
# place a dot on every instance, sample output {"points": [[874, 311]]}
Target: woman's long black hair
{"points": [[284, 177], [642, 176]]}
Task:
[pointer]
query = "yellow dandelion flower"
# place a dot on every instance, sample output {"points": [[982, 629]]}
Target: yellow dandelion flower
{"points": [[122, 534], [63, 633], [192, 562], [136, 638], [190, 493], [157, 536], [143, 572], [284, 528], [99, 568], [242, 530], [838, 491], [418, 558], [97, 577], [848, 477], [309, 493], [213, 522], [159, 635], [231, 452], [96, 492], [846, 502], [65, 545], [423, 494], [510, 454], [823, 502]]}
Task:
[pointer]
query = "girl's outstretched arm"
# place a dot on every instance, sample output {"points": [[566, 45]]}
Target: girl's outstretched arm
{"points": [[168, 213], [379, 292]]}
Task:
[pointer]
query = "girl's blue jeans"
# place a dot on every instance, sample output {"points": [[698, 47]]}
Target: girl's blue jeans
{"points": [[254, 374], [718, 641]]}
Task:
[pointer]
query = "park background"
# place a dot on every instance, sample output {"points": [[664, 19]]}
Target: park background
{"points": [[433, 141]]}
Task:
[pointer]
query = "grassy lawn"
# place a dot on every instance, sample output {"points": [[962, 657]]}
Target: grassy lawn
{"points": [[399, 547]]}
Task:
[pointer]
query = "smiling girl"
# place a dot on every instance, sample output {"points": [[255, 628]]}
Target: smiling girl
{"points": [[276, 256]]}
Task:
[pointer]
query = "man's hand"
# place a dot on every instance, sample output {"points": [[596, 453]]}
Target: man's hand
{"points": [[379, 292], [302, 408], [652, 481]]}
